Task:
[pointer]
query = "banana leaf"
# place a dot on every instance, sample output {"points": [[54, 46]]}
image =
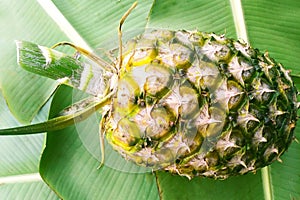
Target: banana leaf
{"points": [[70, 157]]}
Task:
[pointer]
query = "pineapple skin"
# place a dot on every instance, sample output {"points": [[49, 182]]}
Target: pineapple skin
{"points": [[200, 104]]}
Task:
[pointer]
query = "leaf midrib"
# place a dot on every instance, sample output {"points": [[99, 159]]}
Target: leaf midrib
{"points": [[68, 29], [34, 177]]}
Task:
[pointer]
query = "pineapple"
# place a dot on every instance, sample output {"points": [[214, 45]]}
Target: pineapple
{"points": [[200, 104], [188, 102]]}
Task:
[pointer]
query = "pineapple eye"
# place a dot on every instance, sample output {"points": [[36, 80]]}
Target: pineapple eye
{"points": [[142, 56], [248, 75], [161, 35], [196, 38], [128, 90], [158, 80], [237, 100], [127, 134], [145, 52], [223, 54], [268, 97], [189, 102], [175, 55], [161, 123]]}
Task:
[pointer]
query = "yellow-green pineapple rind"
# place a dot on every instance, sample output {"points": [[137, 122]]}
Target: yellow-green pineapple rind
{"points": [[199, 104]]}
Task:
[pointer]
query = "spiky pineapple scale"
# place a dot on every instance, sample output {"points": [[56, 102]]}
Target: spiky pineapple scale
{"points": [[200, 104]]}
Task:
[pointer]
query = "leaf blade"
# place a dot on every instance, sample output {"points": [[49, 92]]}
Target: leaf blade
{"points": [[176, 187], [18, 164], [272, 26], [62, 67]]}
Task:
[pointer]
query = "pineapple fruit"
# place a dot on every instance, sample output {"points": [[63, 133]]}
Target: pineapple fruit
{"points": [[200, 104], [188, 102]]}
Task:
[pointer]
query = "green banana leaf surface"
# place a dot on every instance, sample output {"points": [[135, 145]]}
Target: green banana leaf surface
{"points": [[63, 164]]}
